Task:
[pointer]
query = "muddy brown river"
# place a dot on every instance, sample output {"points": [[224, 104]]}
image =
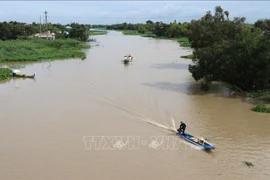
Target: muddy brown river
{"points": [[101, 119]]}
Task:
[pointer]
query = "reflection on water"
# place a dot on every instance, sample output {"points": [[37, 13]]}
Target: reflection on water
{"points": [[43, 121]]}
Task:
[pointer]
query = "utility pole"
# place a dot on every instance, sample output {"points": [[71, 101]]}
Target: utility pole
{"points": [[46, 21]]}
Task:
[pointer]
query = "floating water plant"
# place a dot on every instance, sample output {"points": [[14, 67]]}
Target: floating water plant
{"points": [[249, 164]]}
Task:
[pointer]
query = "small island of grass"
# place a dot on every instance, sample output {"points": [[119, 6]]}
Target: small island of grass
{"points": [[5, 74]]}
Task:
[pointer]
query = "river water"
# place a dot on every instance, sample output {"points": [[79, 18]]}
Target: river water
{"points": [[62, 125]]}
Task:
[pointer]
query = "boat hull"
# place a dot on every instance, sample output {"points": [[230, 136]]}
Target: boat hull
{"points": [[128, 59], [24, 76], [194, 140]]}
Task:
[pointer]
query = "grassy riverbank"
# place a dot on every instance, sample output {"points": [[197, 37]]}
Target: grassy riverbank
{"points": [[98, 32], [190, 56], [38, 49], [263, 96], [183, 41], [136, 33]]}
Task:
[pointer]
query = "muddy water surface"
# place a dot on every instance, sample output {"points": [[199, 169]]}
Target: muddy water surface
{"points": [[47, 123]]}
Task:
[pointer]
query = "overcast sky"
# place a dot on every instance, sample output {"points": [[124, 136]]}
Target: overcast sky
{"points": [[111, 12]]}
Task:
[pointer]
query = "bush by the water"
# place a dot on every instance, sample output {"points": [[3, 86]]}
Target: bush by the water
{"points": [[39, 49], [5, 74], [259, 94], [261, 108]]}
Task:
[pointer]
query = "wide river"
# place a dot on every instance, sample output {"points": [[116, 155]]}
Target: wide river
{"points": [[101, 119]]}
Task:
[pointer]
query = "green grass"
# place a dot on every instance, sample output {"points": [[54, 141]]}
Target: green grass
{"points": [[131, 32], [98, 32], [39, 49], [149, 35], [5, 74], [190, 56], [136, 33], [183, 42]]}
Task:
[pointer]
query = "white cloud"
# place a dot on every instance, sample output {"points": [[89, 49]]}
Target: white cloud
{"points": [[130, 11]]}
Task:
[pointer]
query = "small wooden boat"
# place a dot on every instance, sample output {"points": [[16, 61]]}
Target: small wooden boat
{"points": [[24, 75], [196, 141], [128, 58]]}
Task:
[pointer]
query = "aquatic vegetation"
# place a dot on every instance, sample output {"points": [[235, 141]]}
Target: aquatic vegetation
{"points": [[190, 56], [249, 164], [38, 49], [184, 42], [261, 108], [97, 32], [5, 74], [131, 32]]}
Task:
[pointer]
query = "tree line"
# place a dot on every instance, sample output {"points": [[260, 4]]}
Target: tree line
{"points": [[13, 30], [159, 29], [224, 50], [230, 51]]}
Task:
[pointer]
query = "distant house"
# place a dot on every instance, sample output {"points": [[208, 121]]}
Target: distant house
{"points": [[51, 36], [68, 28]]}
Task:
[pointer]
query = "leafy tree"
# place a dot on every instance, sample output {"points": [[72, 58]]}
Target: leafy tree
{"points": [[264, 25], [79, 31], [230, 52]]}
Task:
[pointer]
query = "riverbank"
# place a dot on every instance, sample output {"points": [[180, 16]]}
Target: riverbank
{"points": [[183, 41], [38, 49], [94, 32], [264, 96], [190, 56], [137, 33]]}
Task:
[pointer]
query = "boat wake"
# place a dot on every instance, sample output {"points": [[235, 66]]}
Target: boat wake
{"points": [[173, 129], [138, 116], [114, 104]]}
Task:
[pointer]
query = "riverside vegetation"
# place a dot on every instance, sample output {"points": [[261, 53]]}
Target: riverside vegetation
{"points": [[232, 52], [18, 44], [175, 31], [224, 50], [5, 74], [39, 49]]}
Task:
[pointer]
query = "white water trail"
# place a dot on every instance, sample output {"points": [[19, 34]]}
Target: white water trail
{"points": [[114, 104], [173, 124], [157, 124], [144, 119]]}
